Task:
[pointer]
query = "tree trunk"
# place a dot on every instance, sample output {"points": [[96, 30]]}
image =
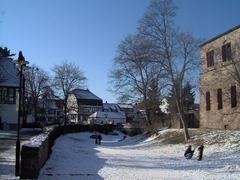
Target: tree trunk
{"points": [[65, 113], [185, 129], [147, 110], [35, 110], [180, 112]]}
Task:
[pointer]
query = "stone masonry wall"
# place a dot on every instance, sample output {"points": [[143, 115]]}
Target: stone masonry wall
{"points": [[216, 77], [36, 152]]}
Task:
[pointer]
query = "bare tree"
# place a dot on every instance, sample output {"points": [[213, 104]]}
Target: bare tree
{"points": [[67, 76], [36, 82], [134, 71], [177, 50]]}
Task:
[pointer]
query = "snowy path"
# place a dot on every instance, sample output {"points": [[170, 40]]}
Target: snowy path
{"points": [[75, 156], [7, 159], [7, 153]]}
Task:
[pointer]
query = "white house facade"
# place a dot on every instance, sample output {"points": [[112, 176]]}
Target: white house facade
{"points": [[9, 84], [81, 104]]}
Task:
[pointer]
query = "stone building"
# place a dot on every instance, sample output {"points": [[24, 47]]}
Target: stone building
{"points": [[220, 80]]}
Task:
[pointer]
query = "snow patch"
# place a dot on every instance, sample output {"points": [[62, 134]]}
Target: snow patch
{"points": [[75, 156]]}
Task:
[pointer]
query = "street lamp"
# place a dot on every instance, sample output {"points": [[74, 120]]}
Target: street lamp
{"points": [[21, 63]]}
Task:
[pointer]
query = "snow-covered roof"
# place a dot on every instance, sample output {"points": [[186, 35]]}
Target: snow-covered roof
{"points": [[85, 94], [8, 73], [129, 106], [111, 107], [109, 115]]}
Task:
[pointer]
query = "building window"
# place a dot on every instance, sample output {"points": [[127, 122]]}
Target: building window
{"points": [[233, 96], [73, 116], [226, 52], [7, 95], [1, 95], [210, 58], [86, 110], [208, 103], [11, 95], [51, 111], [219, 98]]}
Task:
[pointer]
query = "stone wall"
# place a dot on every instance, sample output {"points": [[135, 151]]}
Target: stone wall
{"points": [[33, 158], [132, 129], [220, 76], [36, 152]]}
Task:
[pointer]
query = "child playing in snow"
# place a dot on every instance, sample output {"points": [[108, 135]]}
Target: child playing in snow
{"points": [[189, 152]]}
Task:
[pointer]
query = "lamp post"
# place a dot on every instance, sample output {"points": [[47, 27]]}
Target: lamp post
{"points": [[20, 62]]}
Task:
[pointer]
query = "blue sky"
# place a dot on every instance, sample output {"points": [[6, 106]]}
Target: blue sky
{"points": [[87, 32]]}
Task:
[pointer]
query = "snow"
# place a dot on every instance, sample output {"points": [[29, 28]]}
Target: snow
{"points": [[7, 164], [36, 141], [75, 156], [107, 117], [127, 106], [110, 115], [7, 153]]}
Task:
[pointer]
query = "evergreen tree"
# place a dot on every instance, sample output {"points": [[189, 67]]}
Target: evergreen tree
{"points": [[153, 100], [5, 52], [187, 97]]}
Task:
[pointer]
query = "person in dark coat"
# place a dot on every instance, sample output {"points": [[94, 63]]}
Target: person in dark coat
{"points": [[99, 139], [200, 152], [96, 139], [189, 152]]}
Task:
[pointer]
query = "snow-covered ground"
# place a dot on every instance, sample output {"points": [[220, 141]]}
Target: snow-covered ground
{"points": [[7, 163], [8, 151], [75, 156]]}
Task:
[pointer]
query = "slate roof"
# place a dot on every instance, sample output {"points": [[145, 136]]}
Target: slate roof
{"points": [[85, 94], [8, 73], [126, 106], [111, 107]]}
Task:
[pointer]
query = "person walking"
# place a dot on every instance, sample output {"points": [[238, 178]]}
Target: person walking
{"points": [[96, 138], [200, 152], [99, 139]]}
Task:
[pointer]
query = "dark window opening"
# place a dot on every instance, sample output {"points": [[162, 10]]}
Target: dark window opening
{"points": [[226, 52], [233, 96], [7, 95], [219, 98], [208, 102], [51, 111], [210, 58]]}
